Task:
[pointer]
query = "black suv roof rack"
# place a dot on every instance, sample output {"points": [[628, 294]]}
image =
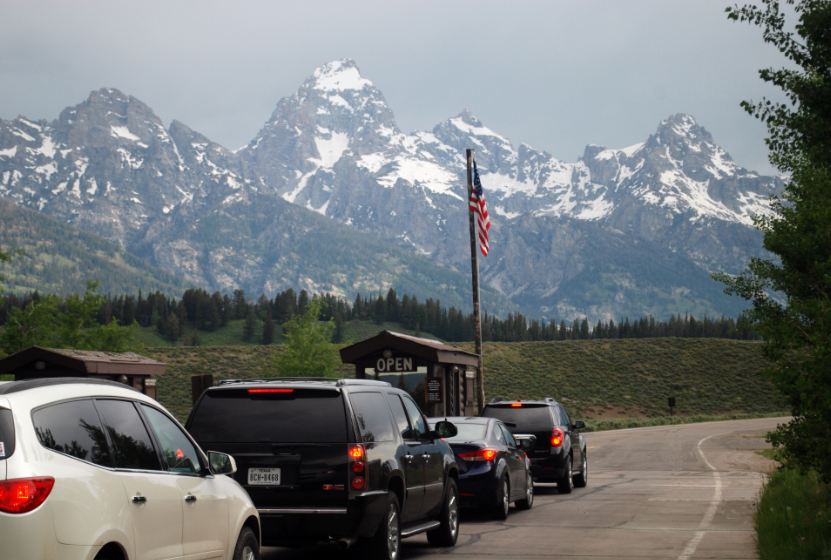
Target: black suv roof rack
{"points": [[373, 382], [331, 380]]}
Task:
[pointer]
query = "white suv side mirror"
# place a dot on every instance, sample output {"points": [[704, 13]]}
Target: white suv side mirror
{"points": [[221, 463]]}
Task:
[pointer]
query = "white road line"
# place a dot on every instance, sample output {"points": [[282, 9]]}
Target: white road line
{"points": [[710, 514]]}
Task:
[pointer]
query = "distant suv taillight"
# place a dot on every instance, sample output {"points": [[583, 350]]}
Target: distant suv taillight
{"points": [[357, 460], [22, 495], [556, 437]]}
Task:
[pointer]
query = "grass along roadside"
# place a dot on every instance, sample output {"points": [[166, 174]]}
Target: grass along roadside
{"points": [[618, 383], [596, 425], [793, 519]]}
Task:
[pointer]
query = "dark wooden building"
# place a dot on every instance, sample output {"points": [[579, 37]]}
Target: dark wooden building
{"points": [[440, 377], [127, 367]]}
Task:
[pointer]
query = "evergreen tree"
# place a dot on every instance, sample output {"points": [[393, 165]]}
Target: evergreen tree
{"points": [[250, 325], [268, 330], [796, 325]]}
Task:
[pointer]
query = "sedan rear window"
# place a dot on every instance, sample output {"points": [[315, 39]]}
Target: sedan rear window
{"points": [[254, 415], [528, 418], [6, 433], [468, 432]]}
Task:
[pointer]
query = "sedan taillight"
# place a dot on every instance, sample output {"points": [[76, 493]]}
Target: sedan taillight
{"points": [[22, 495], [478, 455]]}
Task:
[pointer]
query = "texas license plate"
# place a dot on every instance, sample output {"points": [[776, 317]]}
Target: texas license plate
{"points": [[263, 477]]}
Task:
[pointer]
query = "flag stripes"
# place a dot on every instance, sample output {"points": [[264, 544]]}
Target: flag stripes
{"points": [[478, 206]]}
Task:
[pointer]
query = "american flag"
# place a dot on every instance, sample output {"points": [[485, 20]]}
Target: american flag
{"points": [[480, 208]]}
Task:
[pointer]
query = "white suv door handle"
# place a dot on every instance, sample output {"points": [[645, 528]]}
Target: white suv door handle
{"points": [[139, 499], [190, 498]]}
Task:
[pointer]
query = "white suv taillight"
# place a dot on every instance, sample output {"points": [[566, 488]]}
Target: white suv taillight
{"points": [[22, 495]]}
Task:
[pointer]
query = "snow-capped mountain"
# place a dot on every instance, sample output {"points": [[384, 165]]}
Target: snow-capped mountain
{"points": [[620, 231]]}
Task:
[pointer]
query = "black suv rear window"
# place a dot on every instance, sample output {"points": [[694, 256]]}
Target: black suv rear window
{"points": [[527, 418], [6, 433], [295, 416]]}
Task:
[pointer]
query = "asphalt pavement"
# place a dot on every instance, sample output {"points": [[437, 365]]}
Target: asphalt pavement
{"points": [[670, 492]]}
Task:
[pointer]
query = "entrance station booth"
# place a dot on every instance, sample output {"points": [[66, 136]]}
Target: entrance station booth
{"points": [[131, 369], [441, 378]]}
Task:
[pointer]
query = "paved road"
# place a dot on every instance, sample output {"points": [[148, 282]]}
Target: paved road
{"points": [[674, 492]]}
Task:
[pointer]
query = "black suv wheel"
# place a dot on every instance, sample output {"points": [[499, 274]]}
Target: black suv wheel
{"points": [[386, 543], [582, 478], [447, 533]]}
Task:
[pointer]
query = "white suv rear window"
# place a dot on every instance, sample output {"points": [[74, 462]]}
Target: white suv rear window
{"points": [[6, 433]]}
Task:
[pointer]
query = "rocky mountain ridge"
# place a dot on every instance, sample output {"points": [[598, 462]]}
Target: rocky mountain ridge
{"points": [[333, 150]]}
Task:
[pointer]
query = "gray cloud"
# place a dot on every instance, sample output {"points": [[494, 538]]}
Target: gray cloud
{"points": [[554, 74]]}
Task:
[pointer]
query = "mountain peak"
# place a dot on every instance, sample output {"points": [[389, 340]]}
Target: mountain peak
{"points": [[682, 125], [339, 75], [108, 93]]}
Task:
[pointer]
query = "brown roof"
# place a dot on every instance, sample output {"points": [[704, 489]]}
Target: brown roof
{"points": [[427, 348], [85, 361]]}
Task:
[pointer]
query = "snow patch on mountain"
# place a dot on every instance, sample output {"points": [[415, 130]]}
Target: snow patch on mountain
{"points": [[339, 75]]}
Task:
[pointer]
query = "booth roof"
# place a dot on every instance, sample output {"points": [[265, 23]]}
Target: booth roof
{"points": [[429, 349]]}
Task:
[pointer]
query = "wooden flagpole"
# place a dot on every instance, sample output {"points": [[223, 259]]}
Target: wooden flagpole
{"points": [[474, 268]]}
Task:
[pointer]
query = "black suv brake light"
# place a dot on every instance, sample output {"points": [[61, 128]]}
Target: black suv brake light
{"points": [[357, 458]]}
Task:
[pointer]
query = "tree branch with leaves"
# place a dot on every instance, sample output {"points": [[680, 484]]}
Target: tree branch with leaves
{"points": [[790, 294]]}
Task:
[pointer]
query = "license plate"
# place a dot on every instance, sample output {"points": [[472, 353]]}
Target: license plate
{"points": [[263, 477]]}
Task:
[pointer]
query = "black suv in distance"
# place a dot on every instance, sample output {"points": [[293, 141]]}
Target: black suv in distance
{"points": [[559, 447], [335, 460]]}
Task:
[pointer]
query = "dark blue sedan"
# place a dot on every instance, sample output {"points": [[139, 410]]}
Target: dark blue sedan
{"points": [[494, 470]]}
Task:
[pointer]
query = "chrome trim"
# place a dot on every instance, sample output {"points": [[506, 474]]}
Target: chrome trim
{"points": [[303, 511], [419, 528]]}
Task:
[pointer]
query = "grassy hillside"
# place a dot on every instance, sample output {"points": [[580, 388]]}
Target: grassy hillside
{"points": [[231, 334], [597, 379]]}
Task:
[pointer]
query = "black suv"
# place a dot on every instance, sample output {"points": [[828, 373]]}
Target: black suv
{"points": [[347, 460], [559, 448]]}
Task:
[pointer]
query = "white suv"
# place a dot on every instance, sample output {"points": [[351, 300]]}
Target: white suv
{"points": [[93, 470]]}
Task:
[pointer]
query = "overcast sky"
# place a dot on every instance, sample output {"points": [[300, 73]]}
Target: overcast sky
{"points": [[555, 74]]}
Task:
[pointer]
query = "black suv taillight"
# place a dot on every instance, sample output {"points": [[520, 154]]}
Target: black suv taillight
{"points": [[557, 436], [357, 467]]}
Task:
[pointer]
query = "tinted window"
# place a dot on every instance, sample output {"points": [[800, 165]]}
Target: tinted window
{"points": [[526, 418], [416, 418], [468, 432], [6, 433], [509, 437], [132, 446], [498, 435], [73, 428], [301, 416], [400, 415], [564, 420], [178, 452], [373, 416]]}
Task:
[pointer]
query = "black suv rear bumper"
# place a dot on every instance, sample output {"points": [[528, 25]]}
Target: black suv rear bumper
{"points": [[550, 468], [297, 526]]}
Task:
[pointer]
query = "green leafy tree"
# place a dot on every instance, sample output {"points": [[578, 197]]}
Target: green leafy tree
{"points": [[791, 295], [307, 350], [65, 323]]}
